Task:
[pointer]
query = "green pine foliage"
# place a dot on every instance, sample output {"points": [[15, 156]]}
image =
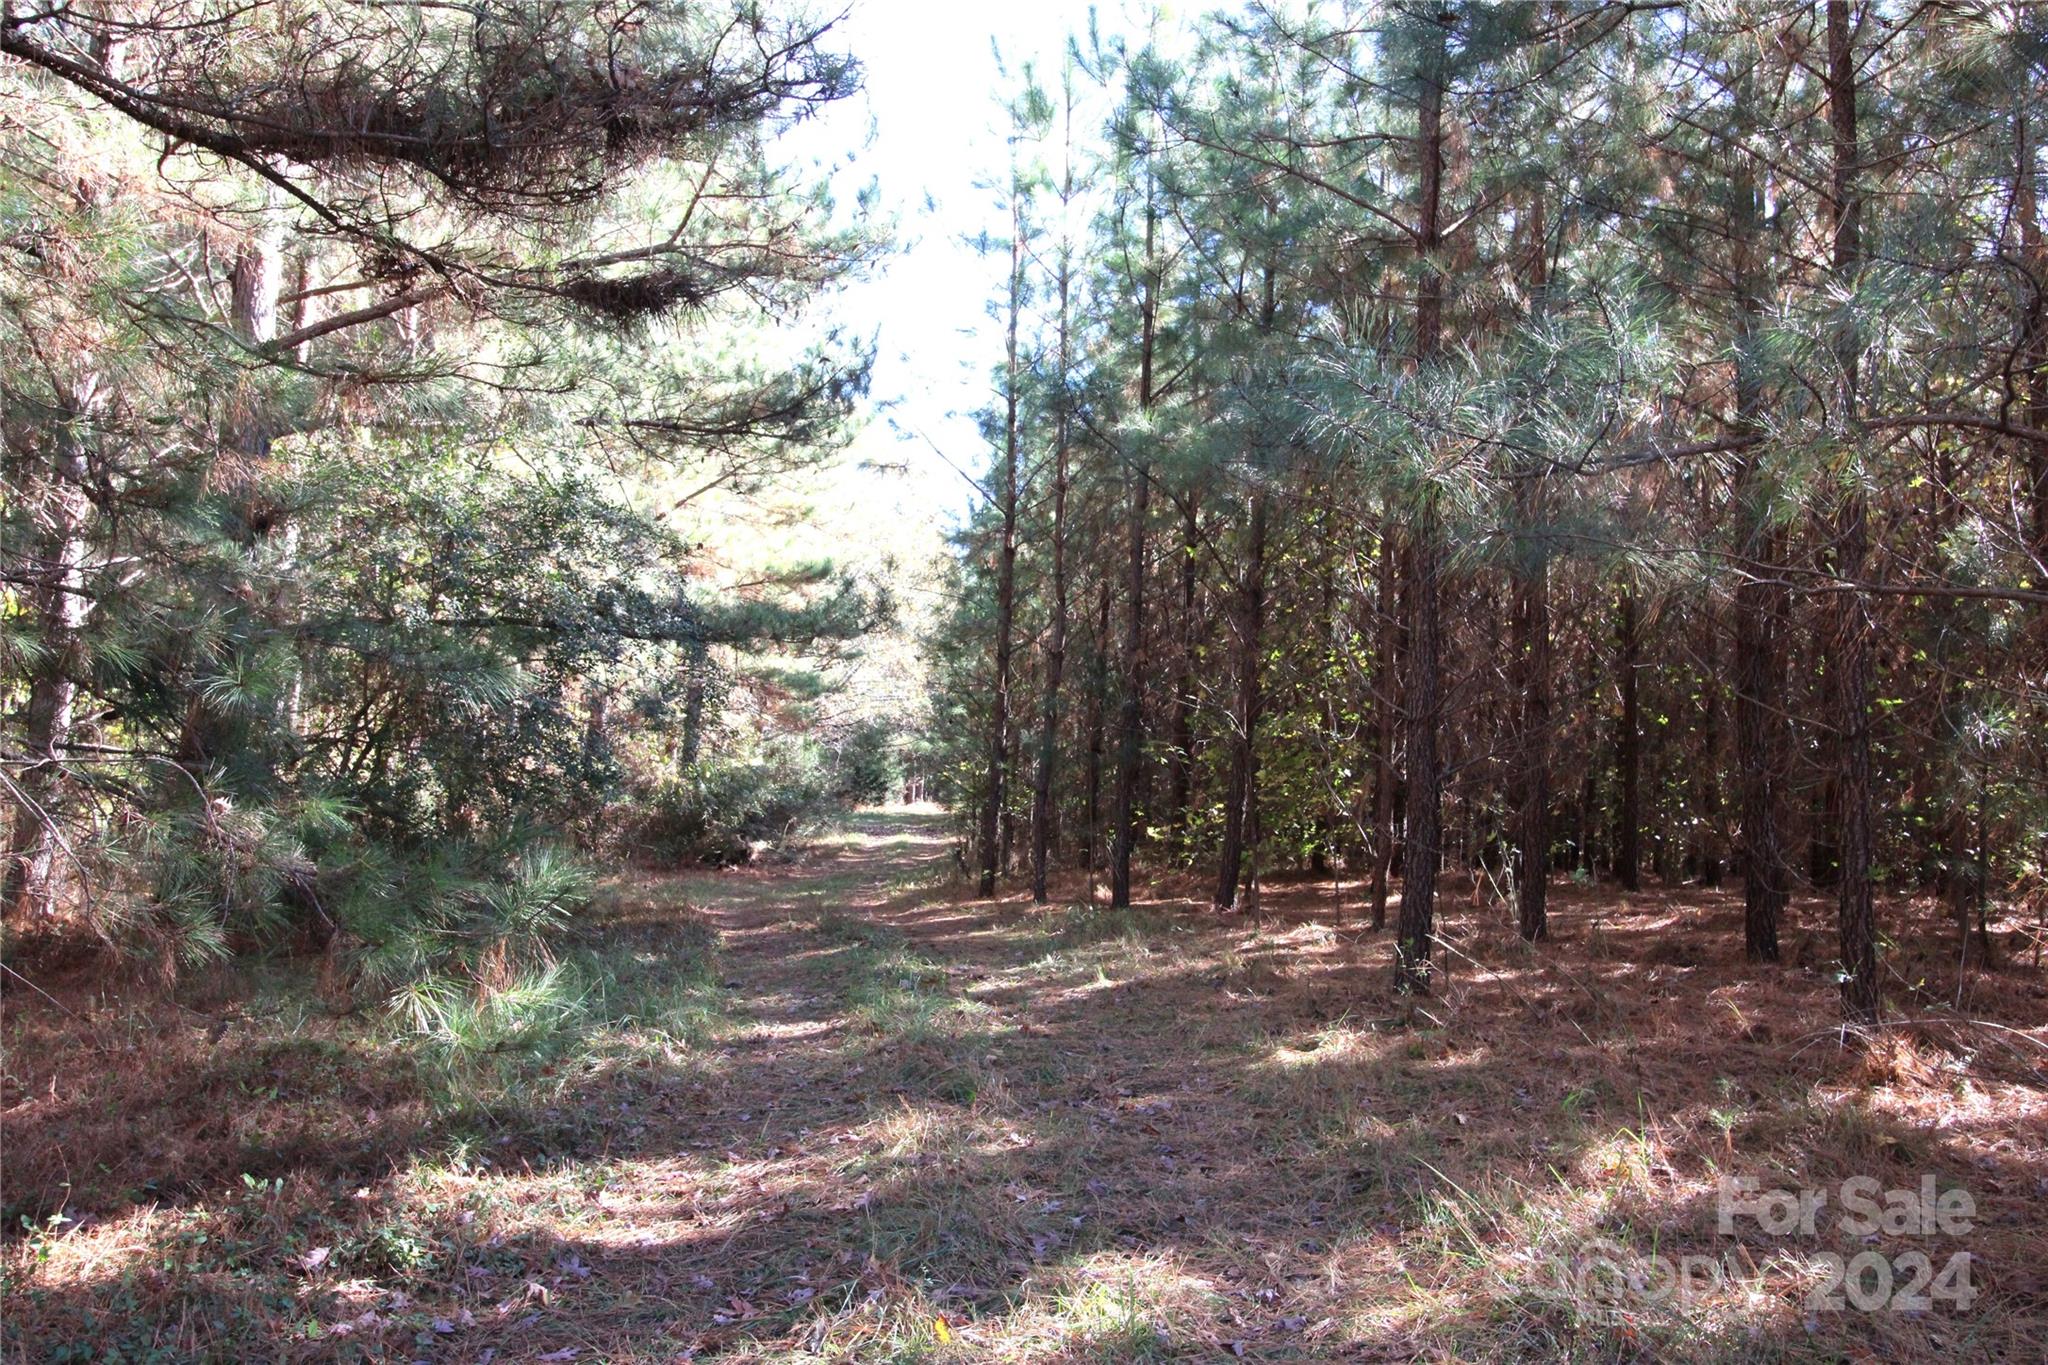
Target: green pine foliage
{"points": [[1546, 434], [356, 602]]}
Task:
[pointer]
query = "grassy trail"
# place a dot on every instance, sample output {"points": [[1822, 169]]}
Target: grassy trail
{"points": [[837, 1110]]}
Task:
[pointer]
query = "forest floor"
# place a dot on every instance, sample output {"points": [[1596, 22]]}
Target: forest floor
{"points": [[840, 1110]]}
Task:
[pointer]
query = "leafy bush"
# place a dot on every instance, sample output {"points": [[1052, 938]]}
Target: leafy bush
{"points": [[723, 808]]}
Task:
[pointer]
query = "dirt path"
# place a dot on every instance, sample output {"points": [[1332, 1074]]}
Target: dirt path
{"points": [[929, 1120], [883, 867], [924, 1121], [840, 1110], [786, 997], [991, 1130]]}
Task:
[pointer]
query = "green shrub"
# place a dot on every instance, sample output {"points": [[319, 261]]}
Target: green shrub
{"points": [[864, 765], [461, 1020], [722, 809]]}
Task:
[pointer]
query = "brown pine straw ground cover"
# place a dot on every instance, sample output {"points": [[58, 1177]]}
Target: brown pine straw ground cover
{"points": [[841, 1111]]}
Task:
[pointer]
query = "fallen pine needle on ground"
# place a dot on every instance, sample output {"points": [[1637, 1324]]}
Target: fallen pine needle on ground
{"points": [[839, 1110]]}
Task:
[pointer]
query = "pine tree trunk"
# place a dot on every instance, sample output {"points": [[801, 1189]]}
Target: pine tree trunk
{"points": [[1856, 911], [1056, 630], [1709, 838], [1239, 822], [1098, 706], [1006, 858], [1531, 656], [2033, 370], [1589, 830], [995, 832], [1180, 755], [57, 600], [1824, 807], [1386, 711], [1329, 858], [1529, 651], [1131, 721], [1422, 846], [210, 735], [597, 738], [1056, 635], [61, 606], [1130, 717], [1759, 620], [1628, 751], [696, 663]]}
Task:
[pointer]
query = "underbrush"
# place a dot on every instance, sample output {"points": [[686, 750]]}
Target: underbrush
{"points": [[1101, 941], [215, 885], [722, 811], [1131, 926], [114, 1102]]}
